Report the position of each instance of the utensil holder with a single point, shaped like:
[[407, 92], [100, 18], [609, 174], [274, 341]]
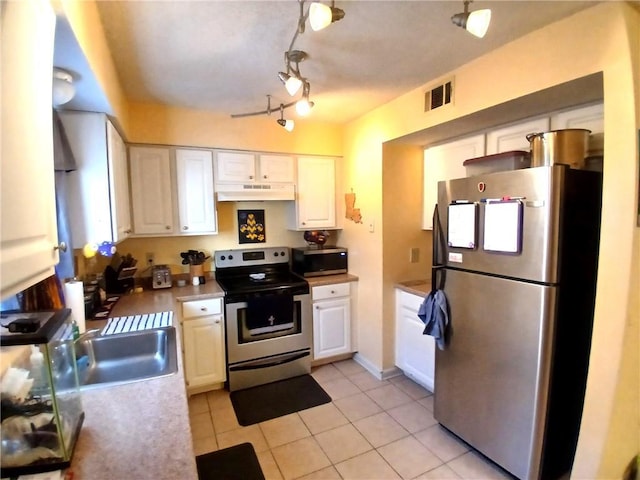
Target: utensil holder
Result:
[[196, 271]]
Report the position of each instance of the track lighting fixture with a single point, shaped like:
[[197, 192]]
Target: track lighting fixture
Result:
[[321, 15], [476, 23], [286, 124]]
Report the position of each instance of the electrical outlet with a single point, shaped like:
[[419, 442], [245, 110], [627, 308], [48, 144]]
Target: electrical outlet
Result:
[[414, 255], [151, 259]]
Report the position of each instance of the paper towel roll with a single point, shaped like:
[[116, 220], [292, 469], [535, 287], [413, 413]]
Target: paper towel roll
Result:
[[74, 299]]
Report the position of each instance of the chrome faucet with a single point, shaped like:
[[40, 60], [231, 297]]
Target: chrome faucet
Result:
[[88, 335]]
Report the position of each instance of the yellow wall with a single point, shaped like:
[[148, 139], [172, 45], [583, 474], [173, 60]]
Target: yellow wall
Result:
[[601, 39], [402, 221], [85, 22], [199, 128]]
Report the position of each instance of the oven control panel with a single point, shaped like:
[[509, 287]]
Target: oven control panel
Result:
[[250, 257]]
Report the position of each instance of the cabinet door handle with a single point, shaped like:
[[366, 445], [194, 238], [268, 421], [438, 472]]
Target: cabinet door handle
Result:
[[250, 177], [62, 246], [168, 227], [185, 227], [265, 176], [333, 292], [204, 309], [217, 321]]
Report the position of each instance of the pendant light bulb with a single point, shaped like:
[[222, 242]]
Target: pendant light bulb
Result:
[[292, 85], [303, 107], [478, 22], [321, 15], [288, 125]]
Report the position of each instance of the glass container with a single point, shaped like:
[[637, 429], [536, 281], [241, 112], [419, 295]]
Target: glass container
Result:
[[40, 396]]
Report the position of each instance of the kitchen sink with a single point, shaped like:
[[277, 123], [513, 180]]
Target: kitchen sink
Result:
[[125, 357]]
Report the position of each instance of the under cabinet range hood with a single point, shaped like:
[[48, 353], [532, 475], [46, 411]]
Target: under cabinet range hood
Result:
[[253, 192]]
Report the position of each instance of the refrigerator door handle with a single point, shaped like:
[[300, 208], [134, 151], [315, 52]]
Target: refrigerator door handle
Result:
[[438, 245]]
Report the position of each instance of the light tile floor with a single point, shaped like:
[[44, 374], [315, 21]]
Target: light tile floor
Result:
[[372, 430]]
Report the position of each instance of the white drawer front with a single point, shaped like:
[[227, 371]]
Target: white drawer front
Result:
[[331, 291], [201, 308]]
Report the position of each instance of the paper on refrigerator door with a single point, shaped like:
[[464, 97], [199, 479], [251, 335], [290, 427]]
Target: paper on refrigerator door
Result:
[[503, 226], [461, 232]]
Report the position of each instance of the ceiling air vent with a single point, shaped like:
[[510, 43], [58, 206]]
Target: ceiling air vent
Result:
[[438, 96]]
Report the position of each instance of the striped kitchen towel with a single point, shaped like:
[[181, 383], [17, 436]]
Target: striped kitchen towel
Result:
[[134, 323]]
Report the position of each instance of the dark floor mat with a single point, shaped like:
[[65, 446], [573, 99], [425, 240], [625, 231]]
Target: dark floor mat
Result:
[[264, 402], [234, 463]]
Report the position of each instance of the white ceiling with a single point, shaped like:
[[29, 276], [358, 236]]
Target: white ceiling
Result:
[[224, 56]]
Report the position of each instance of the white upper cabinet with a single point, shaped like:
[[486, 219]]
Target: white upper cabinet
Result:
[[590, 117], [151, 190], [514, 137], [235, 167], [98, 190], [276, 168], [119, 185], [172, 200], [28, 230], [315, 204], [239, 167], [445, 162], [196, 205]]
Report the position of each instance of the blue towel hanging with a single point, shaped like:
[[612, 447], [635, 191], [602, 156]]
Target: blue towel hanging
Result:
[[434, 313]]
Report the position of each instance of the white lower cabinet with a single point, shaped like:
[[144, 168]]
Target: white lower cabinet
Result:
[[331, 320], [415, 352], [203, 344]]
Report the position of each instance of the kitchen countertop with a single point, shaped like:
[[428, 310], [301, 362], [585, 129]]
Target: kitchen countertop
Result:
[[140, 430], [330, 279], [417, 287]]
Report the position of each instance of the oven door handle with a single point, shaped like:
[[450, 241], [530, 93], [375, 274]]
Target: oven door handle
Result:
[[270, 362]]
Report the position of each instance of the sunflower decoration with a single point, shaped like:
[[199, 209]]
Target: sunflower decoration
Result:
[[251, 226]]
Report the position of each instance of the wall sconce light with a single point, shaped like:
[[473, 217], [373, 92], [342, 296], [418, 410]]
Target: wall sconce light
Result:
[[63, 89], [321, 15], [288, 125], [476, 23]]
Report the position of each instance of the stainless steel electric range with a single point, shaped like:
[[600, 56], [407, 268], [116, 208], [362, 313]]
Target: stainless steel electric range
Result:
[[267, 316]]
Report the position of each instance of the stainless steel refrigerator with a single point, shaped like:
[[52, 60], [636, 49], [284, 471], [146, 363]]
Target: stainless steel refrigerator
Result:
[[516, 255]]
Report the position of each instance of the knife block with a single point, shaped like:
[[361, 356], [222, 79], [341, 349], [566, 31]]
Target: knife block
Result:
[[115, 284]]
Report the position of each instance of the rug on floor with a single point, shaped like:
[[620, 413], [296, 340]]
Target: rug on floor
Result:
[[264, 402], [234, 463]]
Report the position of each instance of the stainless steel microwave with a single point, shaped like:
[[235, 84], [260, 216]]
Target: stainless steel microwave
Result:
[[313, 262]]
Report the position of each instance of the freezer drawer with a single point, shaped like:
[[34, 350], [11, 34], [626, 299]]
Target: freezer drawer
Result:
[[491, 383]]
